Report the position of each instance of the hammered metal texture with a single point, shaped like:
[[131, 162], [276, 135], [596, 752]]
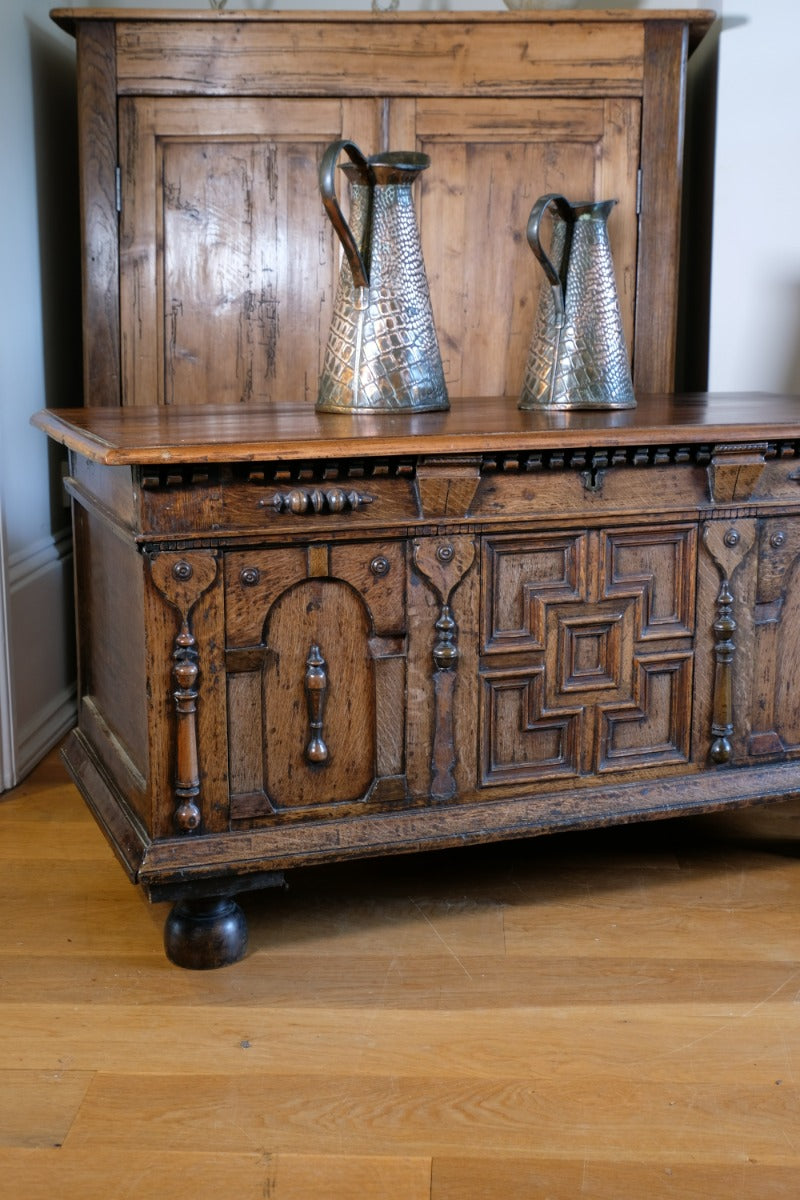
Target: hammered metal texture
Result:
[[585, 363], [382, 352]]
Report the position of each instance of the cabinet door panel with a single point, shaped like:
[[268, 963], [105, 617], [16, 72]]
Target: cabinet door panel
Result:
[[328, 618], [490, 160], [316, 676], [775, 708], [588, 650], [228, 262]]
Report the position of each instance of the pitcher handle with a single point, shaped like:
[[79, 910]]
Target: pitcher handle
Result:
[[534, 241], [327, 187]]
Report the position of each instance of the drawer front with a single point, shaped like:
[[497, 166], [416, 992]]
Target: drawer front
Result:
[[274, 501], [590, 487], [335, 500]]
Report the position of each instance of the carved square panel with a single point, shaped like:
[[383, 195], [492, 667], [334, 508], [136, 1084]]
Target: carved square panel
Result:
[[592, 647], [657, 567], [655, 726], [579, 689], [521, 739], [521, 576]]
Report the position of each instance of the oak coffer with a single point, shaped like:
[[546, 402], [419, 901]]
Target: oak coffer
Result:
[[310, 637]]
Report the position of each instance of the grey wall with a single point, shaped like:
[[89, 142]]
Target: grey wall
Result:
[[39, 364]]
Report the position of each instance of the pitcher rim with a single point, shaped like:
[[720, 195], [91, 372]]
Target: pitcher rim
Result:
[[389, 167], [591, 208]]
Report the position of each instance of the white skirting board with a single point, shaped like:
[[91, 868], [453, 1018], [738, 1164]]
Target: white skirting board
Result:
[[37, 659]]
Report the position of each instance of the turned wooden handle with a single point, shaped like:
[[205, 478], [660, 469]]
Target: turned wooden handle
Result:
[[316, 682], [302, 501]]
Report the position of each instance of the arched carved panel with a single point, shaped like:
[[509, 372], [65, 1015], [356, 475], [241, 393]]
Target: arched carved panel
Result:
[[318, 686]]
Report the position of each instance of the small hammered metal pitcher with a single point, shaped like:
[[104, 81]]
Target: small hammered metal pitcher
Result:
[[382, 353], [578, 357]]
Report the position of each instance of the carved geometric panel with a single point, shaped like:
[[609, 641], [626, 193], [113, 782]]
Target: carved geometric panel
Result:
[[654, 726], [658, 569], [775, 704], [521, 576], [571, 680], [521, 738], [589, 654], [593, 646]]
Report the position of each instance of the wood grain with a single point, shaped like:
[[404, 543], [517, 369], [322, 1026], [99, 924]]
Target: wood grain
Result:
[[606, 1017], [288, 432], [181, 1174], [97, 130], [214, 284], [343, 57], [37, 1108], [659, 223]]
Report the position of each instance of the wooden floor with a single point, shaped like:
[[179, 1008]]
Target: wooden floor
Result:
[[613, 1016]]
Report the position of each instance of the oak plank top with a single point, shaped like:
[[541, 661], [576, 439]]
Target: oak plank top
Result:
[[214, 434], [699, 19], [312, 53]]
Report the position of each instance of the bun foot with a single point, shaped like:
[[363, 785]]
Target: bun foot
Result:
[[202, 935]]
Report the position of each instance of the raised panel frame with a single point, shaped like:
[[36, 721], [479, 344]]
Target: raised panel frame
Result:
[[611, 56], [236, 266]]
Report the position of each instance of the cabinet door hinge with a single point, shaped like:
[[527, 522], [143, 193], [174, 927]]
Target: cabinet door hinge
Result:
[[639, 192], [118, 188]]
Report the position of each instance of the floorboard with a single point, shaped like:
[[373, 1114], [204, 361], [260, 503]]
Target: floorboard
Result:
[[608, 1016]]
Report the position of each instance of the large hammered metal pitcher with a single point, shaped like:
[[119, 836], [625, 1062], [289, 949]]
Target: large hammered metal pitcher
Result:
[[382, 353], [578, 357]]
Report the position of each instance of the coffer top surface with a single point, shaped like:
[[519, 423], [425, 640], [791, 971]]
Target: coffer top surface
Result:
[[286, 432]]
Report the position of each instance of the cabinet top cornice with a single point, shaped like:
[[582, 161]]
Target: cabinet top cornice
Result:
[[698, 20], [289, 432]]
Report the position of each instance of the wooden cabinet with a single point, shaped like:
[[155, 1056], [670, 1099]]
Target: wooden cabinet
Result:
[[308, 637], [300, 645], [209, 264]]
